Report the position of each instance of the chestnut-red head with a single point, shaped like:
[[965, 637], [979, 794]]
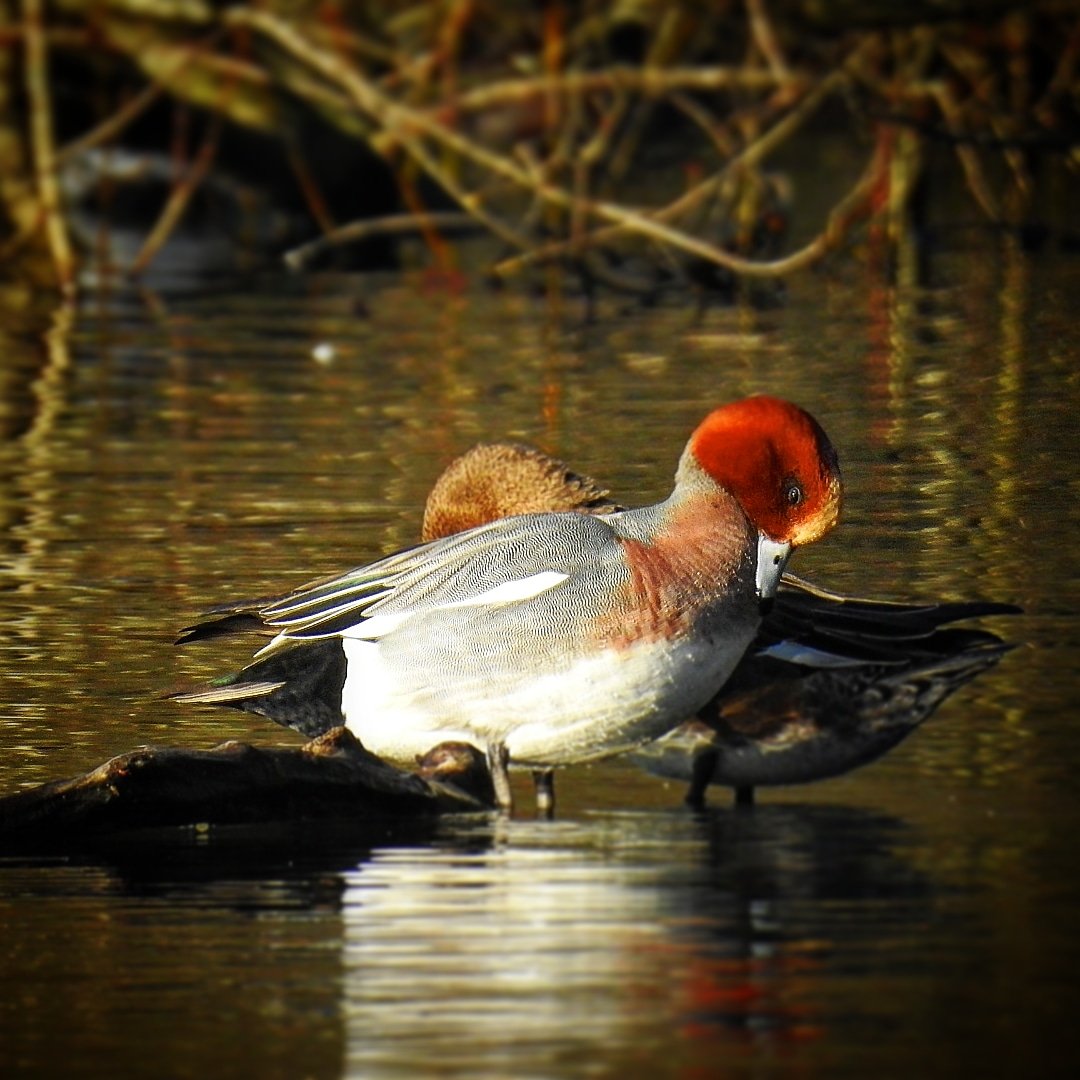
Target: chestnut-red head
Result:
[[776, 459]]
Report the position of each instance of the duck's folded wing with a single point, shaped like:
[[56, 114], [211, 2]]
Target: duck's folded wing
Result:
[[508, 561]]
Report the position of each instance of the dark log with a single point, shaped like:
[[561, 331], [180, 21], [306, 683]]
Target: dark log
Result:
[[331, 777]]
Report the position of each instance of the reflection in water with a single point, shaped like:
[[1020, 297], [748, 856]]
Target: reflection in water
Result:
[[649, 941], [534, 947], [37, 479]]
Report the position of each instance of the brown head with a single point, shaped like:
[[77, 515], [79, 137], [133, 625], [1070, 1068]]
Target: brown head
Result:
[[497, 480]]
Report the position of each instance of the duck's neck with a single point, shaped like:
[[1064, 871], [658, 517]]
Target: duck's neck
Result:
[[695, 546]]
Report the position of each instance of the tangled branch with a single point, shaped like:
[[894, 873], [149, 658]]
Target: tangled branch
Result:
[[550, 162]]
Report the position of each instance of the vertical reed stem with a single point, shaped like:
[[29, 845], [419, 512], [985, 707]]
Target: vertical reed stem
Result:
[[43, 147]]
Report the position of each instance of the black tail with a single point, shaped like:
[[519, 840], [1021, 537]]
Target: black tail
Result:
[[299, 687]]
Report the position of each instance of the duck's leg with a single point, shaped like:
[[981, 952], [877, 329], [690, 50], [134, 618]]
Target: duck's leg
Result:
[[701, 773], [498, 758], [544, 779], [744, 796]]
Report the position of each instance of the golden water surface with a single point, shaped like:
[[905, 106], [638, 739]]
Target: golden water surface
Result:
[[165, 451]]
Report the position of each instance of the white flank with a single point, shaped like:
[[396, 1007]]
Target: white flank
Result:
[[596, 706]]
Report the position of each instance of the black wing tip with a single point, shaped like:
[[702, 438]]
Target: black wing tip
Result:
[[231, 625], [956, 609]]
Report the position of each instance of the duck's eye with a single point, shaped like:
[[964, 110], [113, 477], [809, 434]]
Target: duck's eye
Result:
[[794, 494]]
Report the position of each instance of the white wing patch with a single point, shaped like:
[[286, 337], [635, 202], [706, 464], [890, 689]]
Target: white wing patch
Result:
[[808, 656], [511, 592], [377, 626]]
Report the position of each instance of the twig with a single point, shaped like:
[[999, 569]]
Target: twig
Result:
[[179, 198], [965, 153], [330, 28], [470, 203], [111, 127], [21, 237], [761, 29], [694, 111], [390, 225], [402, 122], [840, 219], [43, 147], [114, 125], [310, 189], [749, 158], [1064, 74], [670, 24], [590, 155], [649, 82]]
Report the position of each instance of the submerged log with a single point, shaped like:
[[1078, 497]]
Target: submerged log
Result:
[[332, 776]]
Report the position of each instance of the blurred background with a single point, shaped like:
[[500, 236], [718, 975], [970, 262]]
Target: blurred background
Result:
[[643, 146]]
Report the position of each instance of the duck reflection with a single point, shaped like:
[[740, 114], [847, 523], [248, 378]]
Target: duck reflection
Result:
[[796, 896], [518, 948], [481, 946]]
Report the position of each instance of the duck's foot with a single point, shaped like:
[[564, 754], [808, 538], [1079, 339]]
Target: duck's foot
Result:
[[498, 758], [702, 770], [744, 796], [544, 779], [460, 764]]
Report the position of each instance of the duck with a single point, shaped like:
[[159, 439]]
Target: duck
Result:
[[552, 637], [831, 682]]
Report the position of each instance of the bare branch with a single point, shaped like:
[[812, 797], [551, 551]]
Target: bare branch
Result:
[[764, 35], [391, 225], [43, 147]]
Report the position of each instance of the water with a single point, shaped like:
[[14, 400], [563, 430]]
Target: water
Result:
[[165, 451]]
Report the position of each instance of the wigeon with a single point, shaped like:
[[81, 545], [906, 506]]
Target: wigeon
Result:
[[553, 638], [830, 682]]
